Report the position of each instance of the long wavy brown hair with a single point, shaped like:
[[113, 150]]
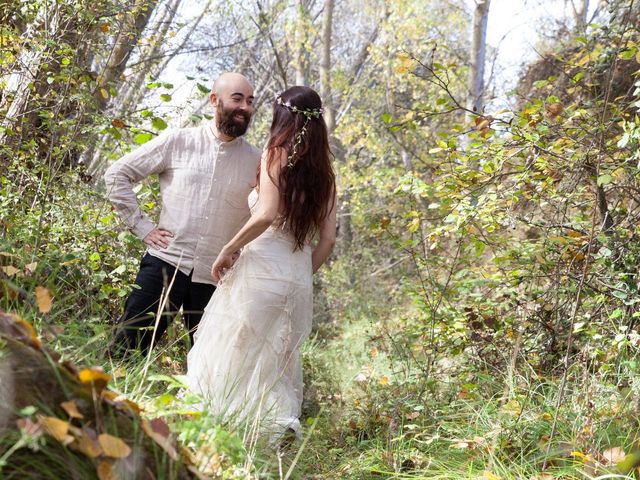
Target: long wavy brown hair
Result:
[[307, 183]]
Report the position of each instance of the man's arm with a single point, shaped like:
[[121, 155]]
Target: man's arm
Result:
[[150, 158]]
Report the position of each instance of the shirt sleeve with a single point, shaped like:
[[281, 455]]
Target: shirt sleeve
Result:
[[150, 158]]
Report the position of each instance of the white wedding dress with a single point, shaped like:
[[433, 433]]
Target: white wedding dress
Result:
[[245, 362]]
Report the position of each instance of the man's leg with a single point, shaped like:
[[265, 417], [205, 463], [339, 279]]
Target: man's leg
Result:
[[195, 300], [136, 326]]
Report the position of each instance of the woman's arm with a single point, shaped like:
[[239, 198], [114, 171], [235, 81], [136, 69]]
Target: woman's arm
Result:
[[327, 240], [267, 210]]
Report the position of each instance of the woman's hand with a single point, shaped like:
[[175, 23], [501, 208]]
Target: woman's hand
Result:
[[224, 261]]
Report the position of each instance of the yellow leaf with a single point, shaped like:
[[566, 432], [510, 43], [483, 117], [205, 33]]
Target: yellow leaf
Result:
[[56, 428], [70, 262], [106, 472], [94, 376], [384, 380], [87, 444], [578, 454], [487, 475], [104, 93], [113, 446], [72, 409], [9, 270], [43, 299], [512, 407]]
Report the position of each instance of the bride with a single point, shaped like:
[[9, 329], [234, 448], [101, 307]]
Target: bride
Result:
[[245, 362]]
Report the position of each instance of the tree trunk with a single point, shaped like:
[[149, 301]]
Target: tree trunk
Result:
[[19, 84], [132, 27], [325, 65], [478, 55], [301, 62], [580, 11]]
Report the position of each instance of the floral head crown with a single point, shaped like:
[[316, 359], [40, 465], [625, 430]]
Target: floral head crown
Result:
[[309, 114]]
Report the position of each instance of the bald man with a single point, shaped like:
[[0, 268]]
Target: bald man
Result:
[[206, 174]]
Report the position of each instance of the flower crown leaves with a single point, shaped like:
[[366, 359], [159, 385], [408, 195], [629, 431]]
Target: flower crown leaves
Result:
[[314, 112], [309, 114]]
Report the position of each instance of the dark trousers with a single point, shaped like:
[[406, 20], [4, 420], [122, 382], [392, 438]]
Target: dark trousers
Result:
[[135, 327]]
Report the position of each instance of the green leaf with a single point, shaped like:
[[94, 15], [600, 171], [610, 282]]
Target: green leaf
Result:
[[604, 180], [142, 138], [203, 88], [153, 84], [168, 85], [158, 123], [628, 54], [386, 118], [146, 114], [165, 97], [65, 61]]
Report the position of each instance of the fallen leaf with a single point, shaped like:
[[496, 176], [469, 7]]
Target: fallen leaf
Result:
[[10, 270], [106, 472], [27, 331], [72, 409], [43, 299], [116, 122], [613, 455], [56, 428], [29, 427], [31, 267], [104, 28], [164, 442], [87, 443], [113, 446], [160, 427]]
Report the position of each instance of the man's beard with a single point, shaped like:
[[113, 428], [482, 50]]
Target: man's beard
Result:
[[227, 125]]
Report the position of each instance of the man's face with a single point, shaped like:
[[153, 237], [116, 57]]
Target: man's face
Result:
[[233, 113]]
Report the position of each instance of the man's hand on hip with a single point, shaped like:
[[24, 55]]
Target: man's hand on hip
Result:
[[158, 238]]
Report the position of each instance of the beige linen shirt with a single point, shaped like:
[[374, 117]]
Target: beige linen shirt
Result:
[[204, 185]]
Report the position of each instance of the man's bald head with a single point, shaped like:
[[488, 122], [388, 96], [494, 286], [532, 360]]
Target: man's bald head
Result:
[[231, 81], [232, 98]]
